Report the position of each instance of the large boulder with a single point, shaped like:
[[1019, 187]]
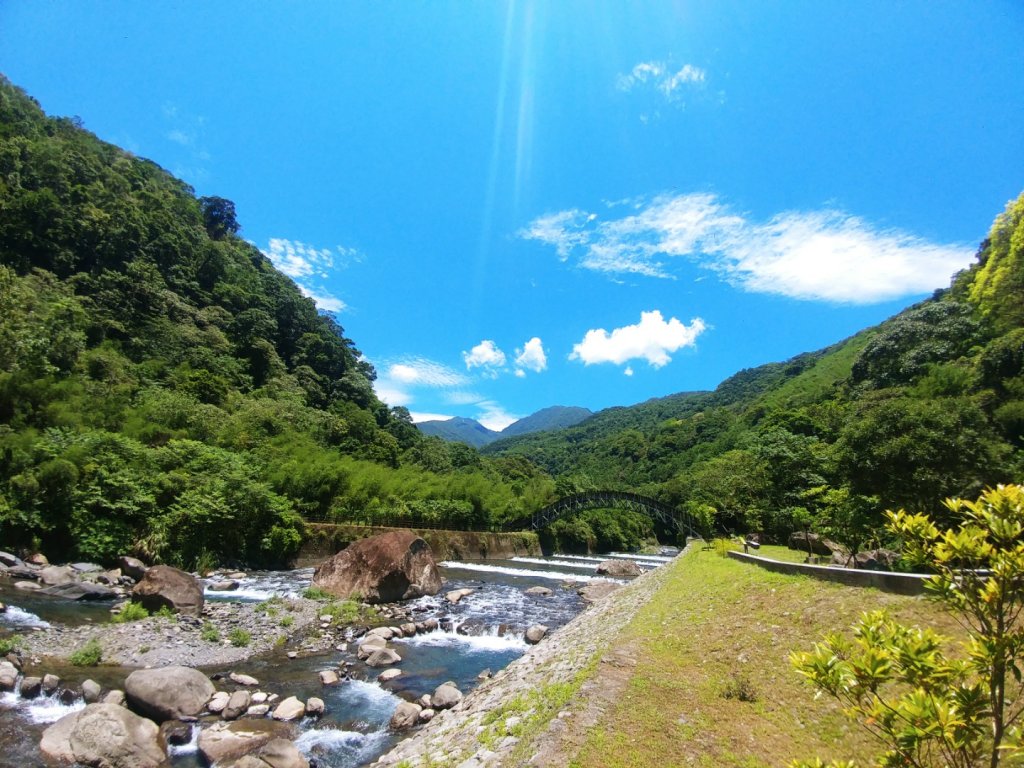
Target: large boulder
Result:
[[597, 590], [132, 566], [406, 715], [104, 736], [397, 565], [166, 586], [818, 545], [168, 693], [277, 753], [445, 696], [619, 568], [222, 742], [79, 590], [53, 575]]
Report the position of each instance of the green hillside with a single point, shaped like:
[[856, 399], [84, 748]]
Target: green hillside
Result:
[[165, 391], [928, 404]]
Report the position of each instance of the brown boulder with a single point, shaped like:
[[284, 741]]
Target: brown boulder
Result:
[[168, 693], [104, 736], [619, 569], [222, 742], [393, 566], [596, 590], [166, 586], [818, 545]]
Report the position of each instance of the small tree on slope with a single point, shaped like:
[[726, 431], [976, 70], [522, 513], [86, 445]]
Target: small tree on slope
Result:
[[928, 708]]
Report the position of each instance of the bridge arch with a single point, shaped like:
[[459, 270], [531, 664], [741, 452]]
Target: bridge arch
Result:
[[579, 502]]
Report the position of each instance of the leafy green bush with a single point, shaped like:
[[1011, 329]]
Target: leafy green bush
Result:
[[130, 612], [315, 593], [89, 655], [209, 633], [342, 612], [9, 644], [239, 637]]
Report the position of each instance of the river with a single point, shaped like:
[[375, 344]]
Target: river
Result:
[[483, 631]]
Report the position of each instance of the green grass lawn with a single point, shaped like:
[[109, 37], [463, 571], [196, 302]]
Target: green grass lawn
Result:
[[713, 685]]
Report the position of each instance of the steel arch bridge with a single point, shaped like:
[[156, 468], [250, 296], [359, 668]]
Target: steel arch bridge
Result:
[[579, 502]]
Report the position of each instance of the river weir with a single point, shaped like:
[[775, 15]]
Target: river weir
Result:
[[478, 635]]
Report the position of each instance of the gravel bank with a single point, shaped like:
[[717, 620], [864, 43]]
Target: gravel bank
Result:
[[505, 721], [159, 641]]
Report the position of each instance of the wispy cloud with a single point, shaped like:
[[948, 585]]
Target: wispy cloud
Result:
[[308, 266], [187, 131], [179, 136], [652, 339], [398, 379], [495, 417], [531, 357], [825, 255], [662, 77]]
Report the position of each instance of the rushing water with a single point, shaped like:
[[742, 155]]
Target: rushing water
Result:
[[483, 631]]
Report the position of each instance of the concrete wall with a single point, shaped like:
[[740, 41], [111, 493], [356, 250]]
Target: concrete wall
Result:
[[887, 581], [324, 540]]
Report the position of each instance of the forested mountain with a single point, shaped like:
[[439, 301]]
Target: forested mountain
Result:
[[165, 391], [928, 404], [476, 434]]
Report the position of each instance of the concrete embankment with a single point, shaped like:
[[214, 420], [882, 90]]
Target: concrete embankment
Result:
[[325, 539], [502, 722]]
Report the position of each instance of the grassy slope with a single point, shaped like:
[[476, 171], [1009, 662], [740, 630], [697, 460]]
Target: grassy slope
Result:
[[718, 622]]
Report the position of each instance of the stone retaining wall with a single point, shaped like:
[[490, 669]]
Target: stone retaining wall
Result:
[[325, 539], [887, 581]]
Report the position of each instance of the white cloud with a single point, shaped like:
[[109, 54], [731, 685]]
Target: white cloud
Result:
[[531, 357], [464, 398], [628, 370], [494, 417], [418, 417], [323, 300], [652, 339], [661, 77], [391, 394], [487, 356], [421, 372], [308, 265], [179, 136], [825, 255], [563, 230]]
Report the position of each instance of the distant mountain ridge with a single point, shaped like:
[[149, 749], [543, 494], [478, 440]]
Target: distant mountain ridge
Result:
[[477, 435]]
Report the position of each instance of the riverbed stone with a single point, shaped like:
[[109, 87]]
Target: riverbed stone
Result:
[[164, 586], [3, 608], [228, 585], [222, 742], [383, 657], [132, 567], [277, 753], [104, 736], [406, 715], [238, 704], [535, 633], [597, 590], [618, 568], [37, 558], [91, 691], [258, 710], [8, 676], [115, 697], [539, 591], [426, 715], [52, 575], [51, 683], [79, 590], [246, 680], [389, 674], [315, 706], [260, 697], [31, 687], [217, 703], [289, 709], [408, 629], [28, 586], [168, 693], [329, 677], [445, 697], [456, 595], [383, 632], [176, 733], [6, 558], [397, 565]]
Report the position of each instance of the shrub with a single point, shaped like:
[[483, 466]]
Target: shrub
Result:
[[130, 612], [239, 637], [287, 621], [9, 644], [88, 655], [209, 633], [315, 593]]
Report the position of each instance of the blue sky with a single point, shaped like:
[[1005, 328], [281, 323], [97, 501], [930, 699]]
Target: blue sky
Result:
[[516, 205]]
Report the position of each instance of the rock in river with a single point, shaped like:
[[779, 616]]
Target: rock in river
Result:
[[166, 586], [168, 693], [393, 566], [619, 569], [104, 735], [222, 742]]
